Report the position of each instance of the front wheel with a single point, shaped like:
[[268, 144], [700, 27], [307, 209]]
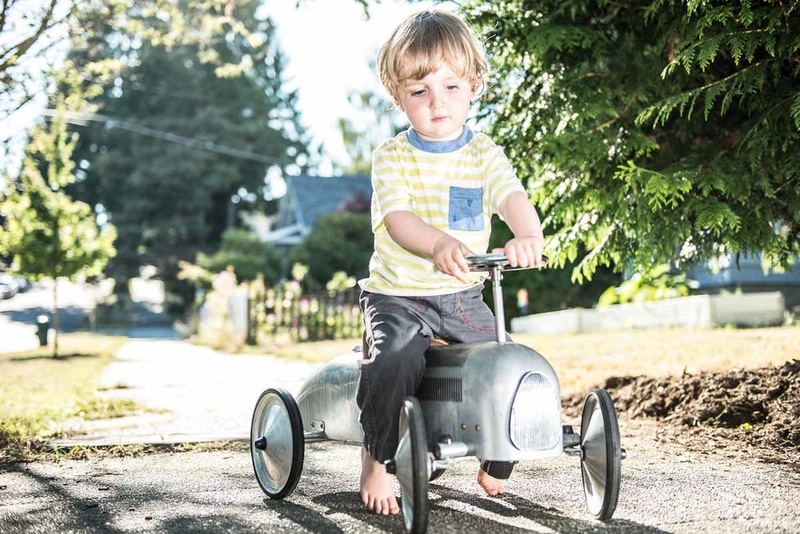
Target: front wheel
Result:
[[411, 467], [601, 458], [277, 444]]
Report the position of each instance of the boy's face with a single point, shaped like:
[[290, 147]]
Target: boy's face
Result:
[[438, 104]]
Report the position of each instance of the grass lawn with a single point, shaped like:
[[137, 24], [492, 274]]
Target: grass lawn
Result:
[[38, 392], [583, 361]]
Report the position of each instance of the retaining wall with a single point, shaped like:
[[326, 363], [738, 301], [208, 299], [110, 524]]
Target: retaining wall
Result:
[[749, 310]]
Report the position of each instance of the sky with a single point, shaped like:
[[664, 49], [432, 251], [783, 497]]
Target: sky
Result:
[[329, 45]]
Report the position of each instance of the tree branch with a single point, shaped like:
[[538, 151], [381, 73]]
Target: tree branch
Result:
[[14, 52]]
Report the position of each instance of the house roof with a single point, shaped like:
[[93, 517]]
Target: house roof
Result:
[[309, 197]]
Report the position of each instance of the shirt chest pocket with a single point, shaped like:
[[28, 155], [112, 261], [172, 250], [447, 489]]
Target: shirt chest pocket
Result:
[[466, 209]]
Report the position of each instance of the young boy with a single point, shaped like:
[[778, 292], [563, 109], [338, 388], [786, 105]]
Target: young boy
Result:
[[436, 187]]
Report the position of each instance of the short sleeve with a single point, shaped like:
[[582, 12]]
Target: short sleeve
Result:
[[501, 179], [391, 189]]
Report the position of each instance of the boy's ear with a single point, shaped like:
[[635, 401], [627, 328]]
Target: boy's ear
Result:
[[478, 88]]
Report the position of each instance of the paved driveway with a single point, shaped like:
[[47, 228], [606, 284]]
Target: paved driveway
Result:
[[193, 393], [664, 489]]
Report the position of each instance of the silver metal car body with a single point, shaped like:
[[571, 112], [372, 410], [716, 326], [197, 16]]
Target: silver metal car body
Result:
[[327, 401], [497, 400], [501, 400]]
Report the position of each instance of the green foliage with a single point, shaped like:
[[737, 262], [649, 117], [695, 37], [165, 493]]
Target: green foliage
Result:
[[187, 128], [657, 283], [650, 131], [47, 233], [340, 241], [248, 256], [341, 281], [30, 31], [550, 288]]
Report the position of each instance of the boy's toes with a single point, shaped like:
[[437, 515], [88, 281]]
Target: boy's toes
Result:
[[492, 486]]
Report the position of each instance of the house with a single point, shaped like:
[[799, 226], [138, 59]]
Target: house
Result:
[[309, 197], [747, 275]]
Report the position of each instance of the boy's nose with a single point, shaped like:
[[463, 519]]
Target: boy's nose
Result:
[[436, 100]]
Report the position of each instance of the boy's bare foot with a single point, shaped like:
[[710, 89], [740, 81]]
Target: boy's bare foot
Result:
[[377, 493], [492, 486]]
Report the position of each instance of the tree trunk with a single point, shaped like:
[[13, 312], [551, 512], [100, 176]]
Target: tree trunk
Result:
[[55, 317]]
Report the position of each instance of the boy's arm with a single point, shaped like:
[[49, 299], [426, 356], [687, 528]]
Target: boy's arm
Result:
[[412, 233], [525, 248]]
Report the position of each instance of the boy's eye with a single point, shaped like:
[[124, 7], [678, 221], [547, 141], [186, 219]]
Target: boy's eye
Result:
[[452, 87], [417, 92]]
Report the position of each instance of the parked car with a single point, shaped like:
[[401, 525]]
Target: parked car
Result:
[[23, 284], [8, 286]]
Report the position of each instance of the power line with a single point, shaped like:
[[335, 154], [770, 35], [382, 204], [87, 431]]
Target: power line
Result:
[[81, 119]]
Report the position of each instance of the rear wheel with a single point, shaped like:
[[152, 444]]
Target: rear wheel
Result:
[[276, 443], [601, 456]]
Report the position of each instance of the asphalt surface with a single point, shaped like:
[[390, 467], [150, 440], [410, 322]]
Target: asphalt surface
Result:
[[664, 489], [204, 396]]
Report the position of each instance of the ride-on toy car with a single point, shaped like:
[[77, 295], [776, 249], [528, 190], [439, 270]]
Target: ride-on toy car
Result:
[[497, 401]]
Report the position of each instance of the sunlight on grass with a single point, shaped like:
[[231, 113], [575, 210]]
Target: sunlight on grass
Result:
[[583, 361], [38, 392]]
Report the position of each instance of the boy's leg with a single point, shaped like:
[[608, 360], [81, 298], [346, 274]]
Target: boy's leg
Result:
[[472, 321], [377, 492], [395, 343]]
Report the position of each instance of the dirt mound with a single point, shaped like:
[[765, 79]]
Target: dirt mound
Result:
[[756, 407]]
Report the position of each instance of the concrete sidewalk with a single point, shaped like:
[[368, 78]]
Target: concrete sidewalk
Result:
[[192, 393], [16, 336]]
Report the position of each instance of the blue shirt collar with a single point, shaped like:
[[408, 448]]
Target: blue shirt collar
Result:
[[439, 147]]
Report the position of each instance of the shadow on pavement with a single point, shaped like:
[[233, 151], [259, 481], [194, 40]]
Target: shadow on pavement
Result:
[[110, 501], [514, 506], [309, 519], [57, 358], [70, 319], [445, 519]]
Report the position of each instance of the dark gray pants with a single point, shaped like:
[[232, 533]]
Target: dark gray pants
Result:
[[398, 332]]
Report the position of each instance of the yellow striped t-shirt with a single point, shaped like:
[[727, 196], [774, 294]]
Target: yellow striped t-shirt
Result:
[[456, 192]]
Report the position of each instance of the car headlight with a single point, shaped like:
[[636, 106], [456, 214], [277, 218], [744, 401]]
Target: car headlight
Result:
[[535, 414]]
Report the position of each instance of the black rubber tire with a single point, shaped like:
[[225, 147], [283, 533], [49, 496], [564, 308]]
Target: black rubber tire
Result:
[[411, 461], [277, 466], [601, 454]]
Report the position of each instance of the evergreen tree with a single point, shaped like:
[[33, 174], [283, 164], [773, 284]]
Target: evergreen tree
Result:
[[651, 130], [31, 35], [182, 142]]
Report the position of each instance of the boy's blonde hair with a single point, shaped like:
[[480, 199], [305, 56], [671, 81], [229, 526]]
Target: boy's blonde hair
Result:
[[422, 42]]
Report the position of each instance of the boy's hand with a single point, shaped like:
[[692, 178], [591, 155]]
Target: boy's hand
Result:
[[449, 256], [524, 251]]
